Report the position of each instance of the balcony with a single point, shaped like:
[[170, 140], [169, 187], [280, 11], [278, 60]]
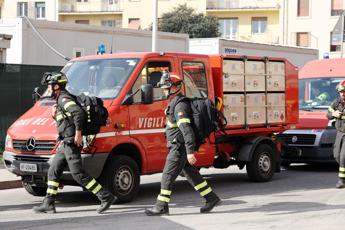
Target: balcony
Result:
[[92, 6], [242, 4], [267, 37]]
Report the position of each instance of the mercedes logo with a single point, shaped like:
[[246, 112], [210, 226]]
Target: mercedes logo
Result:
[[31, 144], [294, 139]]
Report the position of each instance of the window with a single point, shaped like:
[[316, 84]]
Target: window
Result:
[[111, 23], [194, 76], [335, 42], [150, 74], [337, 7], [40, 10], [22, 9], [302, 39], [134, 23], [259, 24], [303, 8], [87, 22], [228, 27], [103, 78]]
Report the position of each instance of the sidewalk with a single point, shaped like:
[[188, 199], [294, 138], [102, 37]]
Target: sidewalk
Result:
[[7, 179]]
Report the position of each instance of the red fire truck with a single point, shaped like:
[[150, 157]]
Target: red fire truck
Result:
[[312, 140], [259, 94]]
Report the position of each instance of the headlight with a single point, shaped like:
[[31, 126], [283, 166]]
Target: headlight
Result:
[[8, 142]]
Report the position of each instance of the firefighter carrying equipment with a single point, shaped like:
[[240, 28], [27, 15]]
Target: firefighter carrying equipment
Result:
[[180, 141], [339, 144]]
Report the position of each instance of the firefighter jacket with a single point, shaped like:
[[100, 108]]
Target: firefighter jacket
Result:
[[337, 104], [69, 116], [179, 128]]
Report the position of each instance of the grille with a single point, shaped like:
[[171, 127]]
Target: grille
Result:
[[302, 139], [41, 146], [31, 158]]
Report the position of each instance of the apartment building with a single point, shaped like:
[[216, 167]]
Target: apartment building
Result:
[[311, 23], [35, 9], [250, 20]]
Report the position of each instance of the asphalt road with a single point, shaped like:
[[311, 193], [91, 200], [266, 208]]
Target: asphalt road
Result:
[[302, 197]]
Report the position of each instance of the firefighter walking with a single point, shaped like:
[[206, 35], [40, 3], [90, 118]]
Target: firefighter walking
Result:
[[336, 111], [182, 145], [69, 117]]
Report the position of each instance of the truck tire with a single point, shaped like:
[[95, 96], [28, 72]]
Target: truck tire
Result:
[[262, 166], [121, 176], [35, 190]]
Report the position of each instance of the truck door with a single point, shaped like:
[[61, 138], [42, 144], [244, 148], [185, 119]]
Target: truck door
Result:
[[195, 82], [147, 122]]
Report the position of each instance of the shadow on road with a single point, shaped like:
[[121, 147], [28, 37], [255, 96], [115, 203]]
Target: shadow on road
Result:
[[228, 185]]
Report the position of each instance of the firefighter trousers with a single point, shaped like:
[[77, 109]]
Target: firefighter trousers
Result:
[[339, 153], [68, 154], [176, 163]]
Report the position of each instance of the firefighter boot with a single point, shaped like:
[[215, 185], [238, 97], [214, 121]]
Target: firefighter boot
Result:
[[106, 198], [340, 183], [158, 210], [47, 206], [212, 200]]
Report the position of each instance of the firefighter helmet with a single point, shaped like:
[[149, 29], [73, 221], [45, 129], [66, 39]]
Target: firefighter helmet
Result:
[[341, 86], [54, 78], [169, 79]]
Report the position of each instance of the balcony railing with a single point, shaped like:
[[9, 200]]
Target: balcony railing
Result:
[[267, 37], [71, 6], [241, 4]]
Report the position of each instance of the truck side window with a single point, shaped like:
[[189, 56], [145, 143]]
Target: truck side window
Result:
[[150, 74], [194, 76]]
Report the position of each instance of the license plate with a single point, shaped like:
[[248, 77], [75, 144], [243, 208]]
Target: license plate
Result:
[[25, 167]]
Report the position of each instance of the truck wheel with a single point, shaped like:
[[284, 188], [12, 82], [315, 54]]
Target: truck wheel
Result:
[[35, 190], [262, 166], [121, 177]]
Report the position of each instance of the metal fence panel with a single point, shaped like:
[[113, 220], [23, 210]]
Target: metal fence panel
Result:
[[16, 87]]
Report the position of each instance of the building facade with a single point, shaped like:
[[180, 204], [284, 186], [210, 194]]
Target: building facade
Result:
[[249, 20], [35, 9], [312, 23]]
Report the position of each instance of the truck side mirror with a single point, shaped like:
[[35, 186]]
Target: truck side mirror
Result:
[[147, 94], [36, 95]]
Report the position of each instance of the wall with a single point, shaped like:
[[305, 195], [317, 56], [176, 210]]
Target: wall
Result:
[[319, 24], [296, 55], [27, 48]]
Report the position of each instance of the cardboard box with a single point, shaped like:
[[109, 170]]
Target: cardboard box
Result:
[[255, 67], [275, 83], [233, 67], [233, 83], [256, 115], [255, 99], [276, 68], [234, 109], [276, 114], [276, 99], [255, 83]]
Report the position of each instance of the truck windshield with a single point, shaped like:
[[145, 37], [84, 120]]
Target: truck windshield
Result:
[[102, 78], [317, 93]]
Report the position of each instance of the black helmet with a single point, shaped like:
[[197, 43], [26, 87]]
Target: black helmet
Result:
[[54, 78], [168, 80]]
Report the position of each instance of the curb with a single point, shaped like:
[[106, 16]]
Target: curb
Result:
[[10, 184]]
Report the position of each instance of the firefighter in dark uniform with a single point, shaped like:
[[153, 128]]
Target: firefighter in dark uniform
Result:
[[181, 144], [69, 117], [336, 111]]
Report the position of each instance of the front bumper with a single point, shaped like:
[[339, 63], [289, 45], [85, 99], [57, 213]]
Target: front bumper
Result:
[[303, 154], [92, 163], [307, 146]]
